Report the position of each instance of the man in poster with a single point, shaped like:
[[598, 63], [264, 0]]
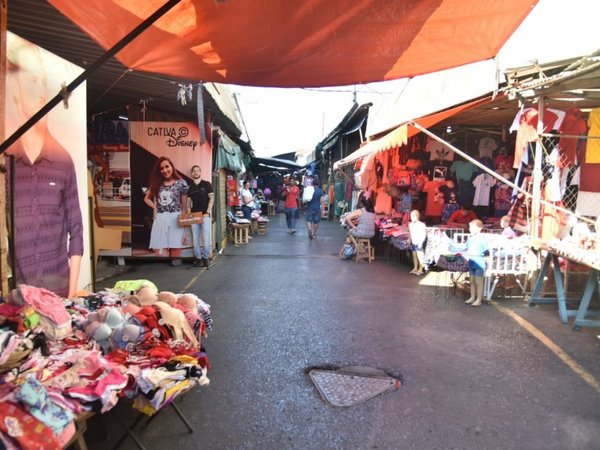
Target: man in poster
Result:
[[48, 228], [202, 196]]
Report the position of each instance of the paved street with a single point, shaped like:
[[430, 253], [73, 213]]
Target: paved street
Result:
[[473, 378]]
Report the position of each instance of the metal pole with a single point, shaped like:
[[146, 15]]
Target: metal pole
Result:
[[537, 174], [86, 73]]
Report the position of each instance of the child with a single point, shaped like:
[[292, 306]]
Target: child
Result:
[[477, 250], [507, 231], [418, 234]]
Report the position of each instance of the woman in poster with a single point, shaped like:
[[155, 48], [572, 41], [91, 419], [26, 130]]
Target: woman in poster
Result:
[[167, 196]]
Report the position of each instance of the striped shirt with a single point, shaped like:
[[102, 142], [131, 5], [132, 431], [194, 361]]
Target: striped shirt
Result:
[[48, 227]]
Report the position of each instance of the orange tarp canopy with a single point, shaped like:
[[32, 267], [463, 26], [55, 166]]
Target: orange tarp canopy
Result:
[[301, 43], [399, 136]]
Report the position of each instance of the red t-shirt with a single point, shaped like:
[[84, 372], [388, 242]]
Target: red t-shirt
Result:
[[459, 217], [291, 199]]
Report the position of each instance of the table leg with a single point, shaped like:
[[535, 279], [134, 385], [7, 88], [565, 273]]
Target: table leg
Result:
[[560, 291], [590, 287], [535, 299]]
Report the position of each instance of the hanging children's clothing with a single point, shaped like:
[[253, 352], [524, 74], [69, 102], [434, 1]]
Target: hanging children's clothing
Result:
[[435, 200], [451, 204]]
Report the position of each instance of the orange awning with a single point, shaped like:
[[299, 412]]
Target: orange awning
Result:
[[399, 136], [301, 43]]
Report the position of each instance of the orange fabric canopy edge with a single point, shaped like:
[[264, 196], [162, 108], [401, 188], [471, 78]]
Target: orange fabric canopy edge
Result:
[[301, 43], [399, 136]]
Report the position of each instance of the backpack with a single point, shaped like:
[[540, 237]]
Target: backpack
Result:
[[307, 194], [347, 251]]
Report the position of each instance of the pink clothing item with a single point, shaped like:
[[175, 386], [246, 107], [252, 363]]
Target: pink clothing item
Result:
[[45, 302], [528, 130], [26, 430]]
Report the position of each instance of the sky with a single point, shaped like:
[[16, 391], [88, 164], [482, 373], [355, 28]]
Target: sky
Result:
[[281, 120]]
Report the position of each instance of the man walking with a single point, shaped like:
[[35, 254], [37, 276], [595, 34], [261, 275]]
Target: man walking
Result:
[[202, 196]]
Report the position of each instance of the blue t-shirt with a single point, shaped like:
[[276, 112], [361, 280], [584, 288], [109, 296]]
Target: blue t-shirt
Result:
[[315, 201], [477, 250]]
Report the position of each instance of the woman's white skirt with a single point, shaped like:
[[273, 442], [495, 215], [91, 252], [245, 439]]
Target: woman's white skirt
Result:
[[165, 231]]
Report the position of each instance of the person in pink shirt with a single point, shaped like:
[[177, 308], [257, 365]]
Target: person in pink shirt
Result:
[[291, 191]]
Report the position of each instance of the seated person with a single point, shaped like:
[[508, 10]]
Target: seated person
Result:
[[462, 217], [362, 221]]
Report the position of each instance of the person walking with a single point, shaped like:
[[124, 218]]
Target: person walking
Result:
[[292, 191], [202, 198], [166, 196], [314, 209]]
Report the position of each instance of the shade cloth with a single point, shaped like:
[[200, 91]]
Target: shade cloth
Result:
[[293, 43], [399, 136]]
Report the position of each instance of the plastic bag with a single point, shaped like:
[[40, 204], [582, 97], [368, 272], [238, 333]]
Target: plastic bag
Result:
[[307, 194], [347, 251]]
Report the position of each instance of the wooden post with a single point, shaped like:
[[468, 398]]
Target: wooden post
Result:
[[4, 268], [537, 175]]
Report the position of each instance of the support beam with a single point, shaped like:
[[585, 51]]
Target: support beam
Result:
[[4, 268], [86, 73]]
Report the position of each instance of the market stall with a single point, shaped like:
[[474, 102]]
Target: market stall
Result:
[[64, 360], [538, 166]]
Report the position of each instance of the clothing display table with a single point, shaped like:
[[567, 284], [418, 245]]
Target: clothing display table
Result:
[[88, 353]]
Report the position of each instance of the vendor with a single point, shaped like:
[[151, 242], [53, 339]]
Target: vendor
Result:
[[462, 217]]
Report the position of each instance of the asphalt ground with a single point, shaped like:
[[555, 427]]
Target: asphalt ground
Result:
[[501, 376]]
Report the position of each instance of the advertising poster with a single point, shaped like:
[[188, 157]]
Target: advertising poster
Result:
[[163, 154], [109, 162], [49, 182]]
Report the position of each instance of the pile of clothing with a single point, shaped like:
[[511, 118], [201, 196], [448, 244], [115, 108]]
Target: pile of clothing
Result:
[[61, 357]]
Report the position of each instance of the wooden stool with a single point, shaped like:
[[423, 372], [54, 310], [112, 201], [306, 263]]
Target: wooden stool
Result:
[[364, 249], [271, 209], [240, 233], [262, 228]]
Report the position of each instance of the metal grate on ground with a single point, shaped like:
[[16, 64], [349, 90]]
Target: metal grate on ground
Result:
[[352, 385]]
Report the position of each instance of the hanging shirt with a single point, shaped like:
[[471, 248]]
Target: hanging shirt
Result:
[[527, 128], [464, 170], [506, 160], [435, 202], [592, 149], [502, 196], [439, 151], [574, 125], [483, 184], [487, 147]]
